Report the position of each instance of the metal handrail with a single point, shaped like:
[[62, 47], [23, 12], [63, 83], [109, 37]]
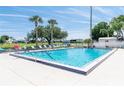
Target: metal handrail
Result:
[[49, 55]]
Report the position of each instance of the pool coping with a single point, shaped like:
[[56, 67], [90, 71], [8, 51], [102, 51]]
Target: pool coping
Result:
[[84, 70]]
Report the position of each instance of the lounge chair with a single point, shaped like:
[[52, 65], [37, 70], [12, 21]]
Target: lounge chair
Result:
[[32, 47], [50, 46], [44, 46], [54, 46], [40, 47], [24, 48], [65, 45]]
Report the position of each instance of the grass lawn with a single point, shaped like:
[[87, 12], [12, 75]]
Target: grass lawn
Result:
[[7, 45]]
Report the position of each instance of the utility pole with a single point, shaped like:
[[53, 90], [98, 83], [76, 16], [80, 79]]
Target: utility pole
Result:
[[91, 22]]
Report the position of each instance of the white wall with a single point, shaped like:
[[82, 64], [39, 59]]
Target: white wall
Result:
[[111, 43]]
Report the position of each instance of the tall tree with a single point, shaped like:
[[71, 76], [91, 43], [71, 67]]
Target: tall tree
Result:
[[57, 34], [52, 23], [102, 29], [104, 32], [36, 20], [48, 32], [117, 24], [4, 38]]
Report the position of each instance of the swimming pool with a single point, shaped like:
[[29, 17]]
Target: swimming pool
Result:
[[1, 49], [69, 58]]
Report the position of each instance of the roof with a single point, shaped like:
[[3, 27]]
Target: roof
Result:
[[107, 38]]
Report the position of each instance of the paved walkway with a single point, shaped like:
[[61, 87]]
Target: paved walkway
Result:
[[17, 71]]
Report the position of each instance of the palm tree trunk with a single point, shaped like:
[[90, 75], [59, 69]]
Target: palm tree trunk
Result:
[[52, 28], [36, 38], [108, 34], [49, 41], [117, 35], [36, 25]]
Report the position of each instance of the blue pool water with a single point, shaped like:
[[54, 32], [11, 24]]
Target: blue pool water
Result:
[[77, 57], [1, 49]]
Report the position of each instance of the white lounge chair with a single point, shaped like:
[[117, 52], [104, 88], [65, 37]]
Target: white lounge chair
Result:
[[40, 47], [25, 47], [45, 46], [50, 46], [33, 47]]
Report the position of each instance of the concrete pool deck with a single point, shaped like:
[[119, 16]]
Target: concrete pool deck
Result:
[[17, 71]]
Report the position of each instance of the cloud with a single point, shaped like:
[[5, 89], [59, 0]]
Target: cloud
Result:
[[84, 22], [4, 30], [1, 22], [79, 12], [73, 11], [121, 8], [14, 15], [107, 11], [78, 34], [28, 9], [78, 21]]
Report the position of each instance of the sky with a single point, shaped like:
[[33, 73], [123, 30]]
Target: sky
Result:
[[14, 20]]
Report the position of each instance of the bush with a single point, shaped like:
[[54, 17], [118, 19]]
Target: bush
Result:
[[88, 42]]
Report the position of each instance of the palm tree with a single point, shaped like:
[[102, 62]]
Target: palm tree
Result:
[[52, 23], [36, 20]]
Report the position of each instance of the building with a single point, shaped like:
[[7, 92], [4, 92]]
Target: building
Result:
[[111, 42], [76, 40]]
